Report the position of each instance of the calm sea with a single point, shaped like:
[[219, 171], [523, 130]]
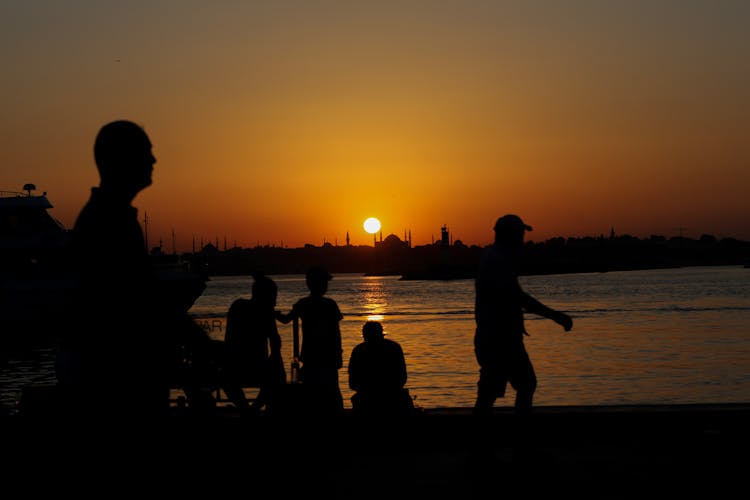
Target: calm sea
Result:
[[639, 337]]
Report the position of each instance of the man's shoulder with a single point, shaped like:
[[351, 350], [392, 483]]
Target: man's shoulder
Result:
[[329, 300], [396, 347], [240, 303], [318, 300], [101, 214], [86, 214]]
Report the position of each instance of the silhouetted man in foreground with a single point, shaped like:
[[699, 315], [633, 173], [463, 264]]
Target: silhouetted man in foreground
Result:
[[117, 358], [500, 306]]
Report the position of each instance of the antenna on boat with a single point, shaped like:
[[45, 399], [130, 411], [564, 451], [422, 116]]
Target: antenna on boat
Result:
[[29, 188]]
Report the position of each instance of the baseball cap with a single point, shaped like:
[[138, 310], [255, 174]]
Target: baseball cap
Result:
[[510, 222]]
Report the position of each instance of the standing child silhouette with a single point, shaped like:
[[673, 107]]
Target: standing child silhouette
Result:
[[321, 351]]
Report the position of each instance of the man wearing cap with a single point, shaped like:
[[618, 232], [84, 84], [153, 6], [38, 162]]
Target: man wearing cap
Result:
[[499, 309]]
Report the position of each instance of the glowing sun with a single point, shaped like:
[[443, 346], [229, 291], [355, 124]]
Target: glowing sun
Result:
[[372, 225]]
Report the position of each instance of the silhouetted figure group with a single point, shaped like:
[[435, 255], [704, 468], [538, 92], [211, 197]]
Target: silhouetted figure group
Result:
[[134, 342], [377, 368]]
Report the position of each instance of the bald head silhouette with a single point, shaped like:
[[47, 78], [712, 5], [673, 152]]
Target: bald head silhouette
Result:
[[122, 151]]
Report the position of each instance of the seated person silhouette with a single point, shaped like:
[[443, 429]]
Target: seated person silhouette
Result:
[[253, 349], [377, 374]]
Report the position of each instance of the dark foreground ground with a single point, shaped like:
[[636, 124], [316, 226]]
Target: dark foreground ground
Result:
[[640, 451]]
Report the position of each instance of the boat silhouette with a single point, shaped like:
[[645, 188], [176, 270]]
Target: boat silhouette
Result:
[[36, 281]]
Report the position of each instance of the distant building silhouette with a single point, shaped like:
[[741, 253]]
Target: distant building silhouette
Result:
[[394, 256], [444, 236]]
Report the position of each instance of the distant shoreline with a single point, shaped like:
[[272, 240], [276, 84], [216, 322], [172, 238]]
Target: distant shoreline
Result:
[[394, 257]]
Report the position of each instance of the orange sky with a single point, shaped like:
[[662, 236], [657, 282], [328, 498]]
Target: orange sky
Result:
[[291, 122]]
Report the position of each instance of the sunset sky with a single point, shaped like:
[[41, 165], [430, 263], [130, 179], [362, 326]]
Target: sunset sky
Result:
[[291, 122]]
